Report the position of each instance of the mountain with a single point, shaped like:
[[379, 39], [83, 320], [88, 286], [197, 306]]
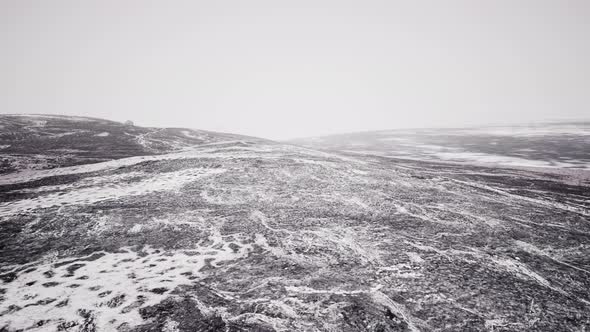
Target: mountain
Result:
[[254, 235], [551, 145]]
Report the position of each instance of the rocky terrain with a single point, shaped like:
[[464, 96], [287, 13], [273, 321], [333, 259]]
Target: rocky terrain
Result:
[[49, 141], [166, 230], [562, 145]]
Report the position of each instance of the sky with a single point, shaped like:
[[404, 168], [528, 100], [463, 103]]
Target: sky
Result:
[[285, 69]]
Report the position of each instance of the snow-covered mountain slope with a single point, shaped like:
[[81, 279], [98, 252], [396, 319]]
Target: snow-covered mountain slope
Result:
[[49, 141], [550, 145], [252, 235]]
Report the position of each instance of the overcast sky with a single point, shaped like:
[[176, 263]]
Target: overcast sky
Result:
[[282, 69]]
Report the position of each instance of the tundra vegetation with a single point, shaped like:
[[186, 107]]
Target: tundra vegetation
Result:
[[144, 229]]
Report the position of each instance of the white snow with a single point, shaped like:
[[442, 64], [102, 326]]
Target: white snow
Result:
[[124, 273], [67, 133], [190, 135], [494, 159], [532, 130], [136, 228], [208, 150], [95, 189], [414, 257], [358, 202]]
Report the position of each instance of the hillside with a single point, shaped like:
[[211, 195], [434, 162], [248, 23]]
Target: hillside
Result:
[[49, 141], [549, 145], [253, 235]]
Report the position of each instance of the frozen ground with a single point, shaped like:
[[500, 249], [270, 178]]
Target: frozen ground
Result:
[[50, 141], [549, 145], [240, 235]]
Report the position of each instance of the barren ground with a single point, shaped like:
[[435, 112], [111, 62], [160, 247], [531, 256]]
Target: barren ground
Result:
[[237, 234]]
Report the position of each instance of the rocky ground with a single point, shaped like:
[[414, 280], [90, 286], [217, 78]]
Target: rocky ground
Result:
[[242, 234], [49, 141], [560, 145]]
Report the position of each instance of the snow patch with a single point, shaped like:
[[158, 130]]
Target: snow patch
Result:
[[414, 257], [98, 189], [113, 286], [190, 135]]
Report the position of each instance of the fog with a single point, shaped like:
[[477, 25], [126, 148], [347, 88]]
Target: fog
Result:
[[279, 69]]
